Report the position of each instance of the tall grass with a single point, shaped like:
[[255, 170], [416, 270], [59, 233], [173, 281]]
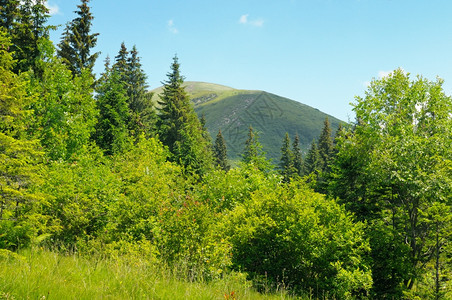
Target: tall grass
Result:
[[43, 274]]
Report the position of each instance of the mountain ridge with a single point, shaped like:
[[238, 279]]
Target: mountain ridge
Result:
[[271, 116]]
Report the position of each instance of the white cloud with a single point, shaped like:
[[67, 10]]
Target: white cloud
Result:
[[243, 19], [53, 8], [256, 22], [172, 28]]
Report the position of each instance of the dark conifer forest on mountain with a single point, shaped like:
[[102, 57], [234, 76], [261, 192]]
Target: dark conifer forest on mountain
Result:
[[193, 190]]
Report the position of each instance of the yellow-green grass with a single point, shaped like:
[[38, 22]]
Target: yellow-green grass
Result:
[[43, 274]]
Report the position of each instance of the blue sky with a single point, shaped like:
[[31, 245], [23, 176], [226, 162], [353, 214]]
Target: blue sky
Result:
[[318, 52]]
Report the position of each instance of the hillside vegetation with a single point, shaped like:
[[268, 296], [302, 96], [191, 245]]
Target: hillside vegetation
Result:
[[105, 194], [233, 111]]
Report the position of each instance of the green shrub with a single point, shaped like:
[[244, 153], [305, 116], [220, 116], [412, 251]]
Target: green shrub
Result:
[[188, 239], [146, 181], [227, 189], [79, 196], [13, 235], [294, 237]]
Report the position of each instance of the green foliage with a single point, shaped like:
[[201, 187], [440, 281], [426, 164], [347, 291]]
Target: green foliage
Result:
[[297, 157], [188, 239], [325, 146], [296, 238], [9, 10], [13, 92], [394, 167], [120, 65], [287, 160], [65, 111], [253, 153], [77, 41], [147, 180], [140, 103], [19, 172], [179, 127], [225, 190], [112, 134], [220, 152], [25, 21], [21, 159], [313, 161], [79, 197]]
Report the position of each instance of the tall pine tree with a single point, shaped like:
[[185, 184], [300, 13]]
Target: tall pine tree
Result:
[[139, 99], [137, 86], [112, 132], [120, 65], [20, 156], [287, 160], [220, 152], [205, 131], [312, 162], [297, 157], [179, 127], [25, 22], [325, 146], [77, 41], [253, 153], [9, 11]]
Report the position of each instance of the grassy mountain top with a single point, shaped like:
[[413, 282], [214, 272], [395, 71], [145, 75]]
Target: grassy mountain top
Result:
[[233, 111]]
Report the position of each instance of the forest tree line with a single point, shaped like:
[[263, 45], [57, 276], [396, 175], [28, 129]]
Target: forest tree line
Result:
[[92, 166]]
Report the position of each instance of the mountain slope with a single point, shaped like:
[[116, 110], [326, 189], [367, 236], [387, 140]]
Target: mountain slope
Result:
[[233, 111]]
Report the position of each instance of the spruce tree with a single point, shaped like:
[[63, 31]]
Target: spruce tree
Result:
[[137, 86], [77, 41], [253, 153], [297, 157], [26, 20], [250, 151], [132, 77], [312, 162], [287, 160], [120, 65], [205, 131], [112, 133], [337, 135], [20, 156], [325, 146], [220, 152], [9, 11], [179, 126], [139, 99]]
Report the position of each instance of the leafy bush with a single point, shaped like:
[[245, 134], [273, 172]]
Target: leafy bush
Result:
[[146, 179], [227, 189], [13, 235], [295, 237], [188, 238], [79, 196]]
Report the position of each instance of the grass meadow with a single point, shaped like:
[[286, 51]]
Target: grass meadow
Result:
[[43, 274]]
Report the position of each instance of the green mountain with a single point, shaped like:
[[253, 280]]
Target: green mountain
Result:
[[233, 111]]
